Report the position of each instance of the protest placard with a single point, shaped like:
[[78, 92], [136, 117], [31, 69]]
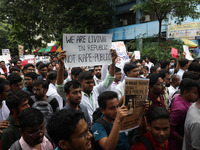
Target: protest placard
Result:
[[27, 59], [87, 49], [6, 52], [137, 54], [5, 58], [186, 50], [121, 52], [44, 59], [174, 52], [136, 90]]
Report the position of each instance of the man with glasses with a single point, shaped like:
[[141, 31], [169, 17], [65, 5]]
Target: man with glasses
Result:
[[17, 101], [68, 130], [32, 131]]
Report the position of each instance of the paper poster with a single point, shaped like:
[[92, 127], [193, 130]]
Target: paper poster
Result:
[[137, 54], [87, 49], [174, 52], [27, 59], [21, 50], [136, 90], [186, 50], [121, 52], [5, 58], [44, 59]]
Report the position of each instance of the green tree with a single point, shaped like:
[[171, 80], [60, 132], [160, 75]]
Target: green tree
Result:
[[163, 9], [35, 22]]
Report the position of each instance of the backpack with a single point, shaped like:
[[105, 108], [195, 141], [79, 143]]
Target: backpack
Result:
[[97, 119], [44, 107], [16, 146], [144, 140]]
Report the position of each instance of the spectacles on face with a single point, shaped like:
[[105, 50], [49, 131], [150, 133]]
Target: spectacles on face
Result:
[[84, 134], [161, 84], [30, 70], [41, 130]]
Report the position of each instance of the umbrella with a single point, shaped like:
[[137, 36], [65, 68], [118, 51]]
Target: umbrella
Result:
[[189, 43], [41, 50], [37, 50], [51, 49], [59, 49]]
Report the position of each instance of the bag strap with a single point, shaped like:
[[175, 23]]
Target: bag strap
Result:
[[104, 124], [144, 140], [16, 146]]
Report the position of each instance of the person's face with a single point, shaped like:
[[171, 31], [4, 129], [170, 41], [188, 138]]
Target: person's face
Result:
[[43, 71], [74, 95], [39, 92], [158, 69], [16, 86], [172, 61], [50, 68], [2, 76], [145, 71], [168, 80], [30, 69], [159, 87], [5, 93], [57, 66], [97, 72], [23, 106], [192, 94], [16, 72], [178, 81], [143, 63], [28, 81], [147, 59], [139, 65], [160, 130], [110, 112], [135, 73], [74, 77], [118, 76], [3, 65], [81, 139], [33, 135], [87, 85], [19, 64]]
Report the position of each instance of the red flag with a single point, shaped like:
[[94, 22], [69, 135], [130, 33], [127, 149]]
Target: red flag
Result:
[[174, 52]]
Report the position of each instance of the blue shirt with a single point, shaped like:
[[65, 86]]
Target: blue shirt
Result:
[[99, 132]]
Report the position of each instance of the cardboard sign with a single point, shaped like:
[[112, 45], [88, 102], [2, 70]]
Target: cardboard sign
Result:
[[174, 52], [44, 59], [186, 50], [87, 49], [135, 94], [121, 52]]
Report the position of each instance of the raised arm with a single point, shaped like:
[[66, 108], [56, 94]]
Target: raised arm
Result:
[[60, 75]]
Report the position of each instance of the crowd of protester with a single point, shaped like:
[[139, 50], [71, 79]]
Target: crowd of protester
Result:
[[48, 106]]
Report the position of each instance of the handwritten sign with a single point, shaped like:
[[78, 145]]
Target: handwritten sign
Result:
[[87, 49], [44, 59], [121, 52], [27, 59]]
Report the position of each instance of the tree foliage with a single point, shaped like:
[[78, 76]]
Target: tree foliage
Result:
[[163, 9], [36, 21]]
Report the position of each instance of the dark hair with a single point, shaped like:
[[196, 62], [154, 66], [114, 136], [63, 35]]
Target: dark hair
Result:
[[65, 73], [164, 63], [135, 62], [186, 84], [42, 65], [32, 75], [158, 113], [51, 76], [174, 78], [14, 78], [76, 71], [16, 98], [15, 61], [128, 67], [191, 75], [3, 82], [39, 82], [97, 66], [74, 84], [14, 68], [62, 124], [173, 58], [146, 67], [162, 73], [117, 69], [105, 96], [33, 113], [153, 78], [27, 66], [196, 60], [38, 63], [194, 66], [86, 75], [153, 69], [183, 62]]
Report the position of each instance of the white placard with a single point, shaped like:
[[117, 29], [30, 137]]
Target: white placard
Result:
[[121, 52], [5, 52], [137, 54], [87, 49], [44, 59], [5, 58], [186, 50]]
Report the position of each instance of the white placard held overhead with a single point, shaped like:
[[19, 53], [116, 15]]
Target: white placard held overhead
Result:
[[186, 50], [87, 49], [137, 54]]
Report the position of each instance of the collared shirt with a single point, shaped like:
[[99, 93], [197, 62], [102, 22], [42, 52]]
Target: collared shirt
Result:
[[45, 145], [156, 103], [96, 80], [156, 145], [89, 97], [83, 109], [171, 90], [179, 108], [10, 134], [4, 111], [180, 73]]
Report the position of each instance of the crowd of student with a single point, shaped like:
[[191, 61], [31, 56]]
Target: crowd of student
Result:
[[48, 106]]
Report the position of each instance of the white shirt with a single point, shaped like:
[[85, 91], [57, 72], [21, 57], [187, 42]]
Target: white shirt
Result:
[[120, 89], [149, 65], [53, 92], [180, 73], [4, 111], [171, 90]]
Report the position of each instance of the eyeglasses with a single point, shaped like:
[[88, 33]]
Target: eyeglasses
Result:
[[161, 84], [85, 134], [42, 129]]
